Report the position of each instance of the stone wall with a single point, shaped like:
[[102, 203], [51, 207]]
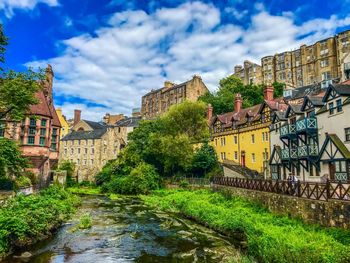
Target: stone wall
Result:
[[326, 213]]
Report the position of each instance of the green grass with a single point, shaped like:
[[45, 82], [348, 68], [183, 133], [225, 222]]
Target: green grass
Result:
[[27, 219], [85, 222], [83, 190], [270, 238]]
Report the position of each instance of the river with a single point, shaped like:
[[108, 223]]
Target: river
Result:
[[126, 230]]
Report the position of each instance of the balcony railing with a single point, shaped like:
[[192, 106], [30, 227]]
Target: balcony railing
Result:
[[289, 153], [310, 151], [285, 154], [307, 124], [287, 130]]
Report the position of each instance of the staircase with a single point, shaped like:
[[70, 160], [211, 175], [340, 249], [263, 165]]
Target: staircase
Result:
[[240, 171]]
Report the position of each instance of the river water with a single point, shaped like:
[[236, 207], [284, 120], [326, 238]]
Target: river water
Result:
[[126, 230]]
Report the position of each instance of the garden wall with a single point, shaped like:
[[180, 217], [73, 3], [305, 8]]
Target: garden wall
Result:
[[326, 213]]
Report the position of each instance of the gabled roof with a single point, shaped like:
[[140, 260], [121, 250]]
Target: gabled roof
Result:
[[294, 108], [341, 89], [316, 100], [276, 150], [280, 115], [95, 125], [98, 130], [338, 143]]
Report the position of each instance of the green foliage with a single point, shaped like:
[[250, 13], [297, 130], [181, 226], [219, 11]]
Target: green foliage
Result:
[[23, 181], [3, 44], [204, 160], [11, 160], [223, 99], [85, 222], [27, 219], [270, 238], [69, 167], [142, 179], [84, 190]]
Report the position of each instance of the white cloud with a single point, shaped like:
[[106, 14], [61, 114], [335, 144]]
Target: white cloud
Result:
[[8, 6], [137, 51]]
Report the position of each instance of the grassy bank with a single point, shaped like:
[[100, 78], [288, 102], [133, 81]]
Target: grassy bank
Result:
[[28, 219], [269, 238]]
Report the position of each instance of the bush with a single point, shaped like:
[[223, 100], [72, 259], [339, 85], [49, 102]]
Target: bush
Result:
[[141, 180], [23, 181], [69, 167], [27, 219]]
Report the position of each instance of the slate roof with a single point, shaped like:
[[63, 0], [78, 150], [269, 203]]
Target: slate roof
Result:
[[99, 129], [95, 125], [304, 91], [342, 89], [128, 122], [338, 143]]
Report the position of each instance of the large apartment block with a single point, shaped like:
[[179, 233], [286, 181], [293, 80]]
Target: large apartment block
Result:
[[250, 73], [159, 101], [324, 62]]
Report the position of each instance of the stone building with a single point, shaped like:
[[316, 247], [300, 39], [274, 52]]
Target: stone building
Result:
[[91, 144], [159, 101], [250, 73], [324, 62], [38, 134]]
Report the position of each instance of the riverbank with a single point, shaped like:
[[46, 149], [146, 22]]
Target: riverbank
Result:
[[25, 220], [263, 235]]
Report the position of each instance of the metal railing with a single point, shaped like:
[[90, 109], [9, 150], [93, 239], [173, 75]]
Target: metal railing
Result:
[[306, 124], [331, 190]]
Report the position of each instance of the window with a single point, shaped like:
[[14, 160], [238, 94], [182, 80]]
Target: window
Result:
[[236, 155], [85, 162], [92, 161], [86, 150], [340, 166], [223, 141], [32, 131], [253, 138], [31, 140], [324, 63], [78, 150], [43, 122], [71, 151], [65, 151], [92, 150], [223, 156], [216, 142], [2, 129], [347, 134], [253, 157], [339, 105], [42, 141], [32, 122], [235, 139], [326, 75], [54, 139], [331, 108]]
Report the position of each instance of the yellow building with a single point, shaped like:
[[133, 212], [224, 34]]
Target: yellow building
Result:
[[242, 136], [64, 123]]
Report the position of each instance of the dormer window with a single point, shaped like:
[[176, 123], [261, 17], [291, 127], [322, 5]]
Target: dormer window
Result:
[[331, 108], [339, 105]]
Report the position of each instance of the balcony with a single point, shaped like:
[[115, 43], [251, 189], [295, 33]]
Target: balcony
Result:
[[307, 125], [288, 131], [308, 152], [288, 154]]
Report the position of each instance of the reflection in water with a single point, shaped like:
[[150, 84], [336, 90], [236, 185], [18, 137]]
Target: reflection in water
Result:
[[126, 230]]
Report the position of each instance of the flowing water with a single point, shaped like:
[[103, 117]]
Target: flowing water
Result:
[[126, 230]]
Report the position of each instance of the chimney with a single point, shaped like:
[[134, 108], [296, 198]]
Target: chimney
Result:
[[209, 113], [77, 115], [238, 103], [106, 118], [48, 81], [268, 93], [168, 84]]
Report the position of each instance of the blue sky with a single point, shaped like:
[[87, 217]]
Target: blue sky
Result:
[[106, 54]]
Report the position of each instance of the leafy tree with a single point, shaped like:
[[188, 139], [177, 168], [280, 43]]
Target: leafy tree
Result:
[[204, 160], [11, 160], [3, 44], [69, 167]]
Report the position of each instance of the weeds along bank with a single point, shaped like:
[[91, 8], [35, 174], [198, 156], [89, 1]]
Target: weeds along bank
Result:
[[265, 237], [25, 220]]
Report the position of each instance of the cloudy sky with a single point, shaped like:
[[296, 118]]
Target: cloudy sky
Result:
[[107, 54]]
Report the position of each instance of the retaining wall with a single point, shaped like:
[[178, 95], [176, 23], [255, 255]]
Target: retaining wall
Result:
[[326, 213]]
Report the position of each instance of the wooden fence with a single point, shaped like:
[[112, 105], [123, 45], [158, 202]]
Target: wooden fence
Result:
[[330, 190]]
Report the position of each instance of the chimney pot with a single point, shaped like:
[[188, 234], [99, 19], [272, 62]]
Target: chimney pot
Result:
[[210, 113], [238, 103], [77, 116]]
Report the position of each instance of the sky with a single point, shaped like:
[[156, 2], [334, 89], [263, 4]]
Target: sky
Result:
[[107, 54]]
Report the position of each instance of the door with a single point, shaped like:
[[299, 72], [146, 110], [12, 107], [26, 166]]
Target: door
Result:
[[332, 170], [243, 159]]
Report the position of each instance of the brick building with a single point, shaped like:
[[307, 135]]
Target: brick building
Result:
[[159, 101], [39, 132]]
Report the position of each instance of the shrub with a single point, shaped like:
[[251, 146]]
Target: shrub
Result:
[[85, 222], [141, 180], [69, 167], [27, 219], [23, 181]]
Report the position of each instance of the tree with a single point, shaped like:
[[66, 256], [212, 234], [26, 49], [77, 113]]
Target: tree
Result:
[[3, 44], [204, 160], [11, 161]]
